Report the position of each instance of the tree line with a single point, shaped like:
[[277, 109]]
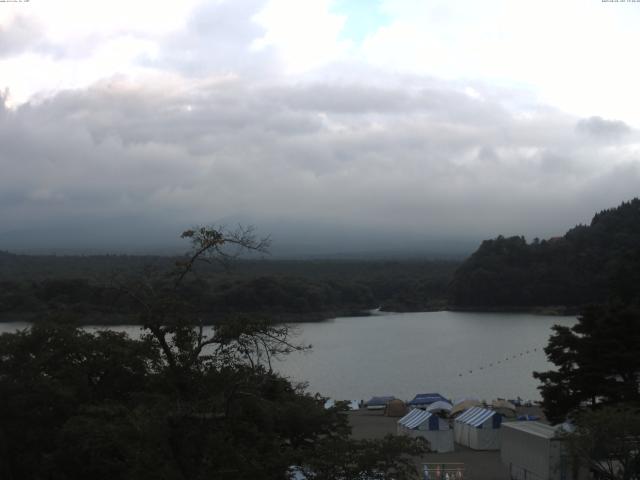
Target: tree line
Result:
[[287, 290], [587, 265]]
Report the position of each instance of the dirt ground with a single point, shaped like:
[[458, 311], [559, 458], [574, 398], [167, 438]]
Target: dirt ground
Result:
[[479, 465]]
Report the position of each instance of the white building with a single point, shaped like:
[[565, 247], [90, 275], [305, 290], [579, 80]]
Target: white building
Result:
[[534, 451]]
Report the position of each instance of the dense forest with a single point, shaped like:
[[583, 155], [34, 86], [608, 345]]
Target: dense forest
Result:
[[589, 264], [96, 287]]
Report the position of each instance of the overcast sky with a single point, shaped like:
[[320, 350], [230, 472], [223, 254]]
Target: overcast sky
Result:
[[334, 125]]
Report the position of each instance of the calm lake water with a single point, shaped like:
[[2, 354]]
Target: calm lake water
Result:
[[484, 355]]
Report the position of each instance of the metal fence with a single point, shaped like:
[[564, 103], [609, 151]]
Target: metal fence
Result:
[[443, 471]]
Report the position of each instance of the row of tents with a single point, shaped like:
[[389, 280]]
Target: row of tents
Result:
[[530, 449], [465, 421], [477, 428], [436, 403]]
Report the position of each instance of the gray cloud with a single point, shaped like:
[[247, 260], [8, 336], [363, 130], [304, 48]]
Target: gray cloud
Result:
[[217, 39], [420, 163], [348, 154], [599, 127]]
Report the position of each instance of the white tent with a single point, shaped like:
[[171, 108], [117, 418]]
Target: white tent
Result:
[[478, 428], [418, 423], [440, 406]]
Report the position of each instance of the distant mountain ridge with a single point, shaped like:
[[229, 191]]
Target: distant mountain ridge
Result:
[[587, 265]]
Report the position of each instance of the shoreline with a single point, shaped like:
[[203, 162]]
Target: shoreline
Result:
[[116, 319], [119, 319], [551, 310]]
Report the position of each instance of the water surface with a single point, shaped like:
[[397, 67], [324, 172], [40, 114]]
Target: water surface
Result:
[[485, 355]]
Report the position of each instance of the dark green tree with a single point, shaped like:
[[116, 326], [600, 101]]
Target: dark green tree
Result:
[[597, 360], [589, 264], [345, 459], [607, 442]]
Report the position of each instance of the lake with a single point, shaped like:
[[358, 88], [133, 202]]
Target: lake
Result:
[[484, 355]]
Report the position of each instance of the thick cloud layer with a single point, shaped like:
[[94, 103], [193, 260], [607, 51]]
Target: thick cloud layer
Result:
[[430, 161], [205, 124]]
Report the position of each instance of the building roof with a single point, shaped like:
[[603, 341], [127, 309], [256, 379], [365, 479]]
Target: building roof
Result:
[[534, 428], [475, 416]]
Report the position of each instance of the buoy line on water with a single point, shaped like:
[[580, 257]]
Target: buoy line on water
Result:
[[508, 358]]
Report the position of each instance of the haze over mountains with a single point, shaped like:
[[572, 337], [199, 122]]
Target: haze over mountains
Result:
[[290, 239], [299, 240]]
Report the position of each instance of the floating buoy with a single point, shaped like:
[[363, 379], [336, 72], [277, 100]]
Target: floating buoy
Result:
[[499, 362]]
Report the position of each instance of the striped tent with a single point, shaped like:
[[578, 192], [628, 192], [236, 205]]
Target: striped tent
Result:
[[478, 428], [418, 423]]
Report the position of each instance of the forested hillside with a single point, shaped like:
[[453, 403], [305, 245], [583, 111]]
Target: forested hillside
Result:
[[95, 287], [587, 265]]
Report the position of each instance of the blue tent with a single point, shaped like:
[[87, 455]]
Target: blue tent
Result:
[[426, 399]]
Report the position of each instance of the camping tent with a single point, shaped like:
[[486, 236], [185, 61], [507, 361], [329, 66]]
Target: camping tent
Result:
[[440, 407], [504, 407], [379, 403], [418, 423], [463, 405], [478, 428], [395, 408], [423, 400]]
